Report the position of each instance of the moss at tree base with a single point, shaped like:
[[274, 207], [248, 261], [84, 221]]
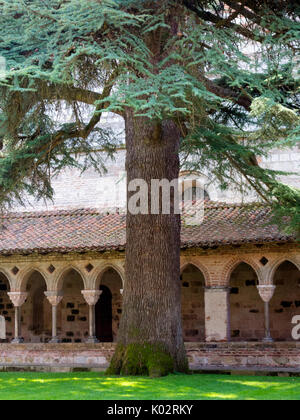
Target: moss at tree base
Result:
[[142, 360]]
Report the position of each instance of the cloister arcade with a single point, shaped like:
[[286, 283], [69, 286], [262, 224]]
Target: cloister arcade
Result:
[[224, 298]]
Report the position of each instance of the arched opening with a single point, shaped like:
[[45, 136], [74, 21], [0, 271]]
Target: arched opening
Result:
[[109, 306], [246, 306], [192, 302], [104, 332], [6, 308], [36, 311], [73, 312], [286, 301]]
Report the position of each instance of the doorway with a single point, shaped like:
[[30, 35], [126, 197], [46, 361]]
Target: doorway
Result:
[[104, 316]]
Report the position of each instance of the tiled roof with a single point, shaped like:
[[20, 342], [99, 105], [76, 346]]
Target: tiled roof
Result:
[[92, 230]]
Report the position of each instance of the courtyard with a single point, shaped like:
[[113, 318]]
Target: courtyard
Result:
[[149, 201], [95, 386]]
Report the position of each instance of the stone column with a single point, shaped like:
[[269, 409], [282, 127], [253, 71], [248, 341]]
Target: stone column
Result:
[[217, 318], [266, 293], [54, 298], [18, 299], [91, 297]]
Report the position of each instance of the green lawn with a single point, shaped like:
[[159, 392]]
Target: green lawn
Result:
[[95, 386]]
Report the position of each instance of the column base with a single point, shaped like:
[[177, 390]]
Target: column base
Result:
[[92, 340], [55, 340], [18, 340]]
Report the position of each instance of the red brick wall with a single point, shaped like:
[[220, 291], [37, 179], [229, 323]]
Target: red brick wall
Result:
[[250, 355], [201, 355]]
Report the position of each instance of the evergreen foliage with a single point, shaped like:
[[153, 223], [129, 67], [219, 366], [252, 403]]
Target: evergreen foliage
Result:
[[229, 77]]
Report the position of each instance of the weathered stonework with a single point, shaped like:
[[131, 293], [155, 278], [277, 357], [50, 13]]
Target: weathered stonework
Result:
[[244, 355], [18, 298], [220, 301], [266, 292], [54, 298], [251, 356], [217, 313], [91, 296]]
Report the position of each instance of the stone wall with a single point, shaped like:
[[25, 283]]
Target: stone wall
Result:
[[73, 312], [193, 313], [201, 356], [73, 189], [56, 355], [244, 355]]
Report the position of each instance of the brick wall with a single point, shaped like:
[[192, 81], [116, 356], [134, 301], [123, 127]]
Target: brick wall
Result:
[[250, 355], [200, 355]]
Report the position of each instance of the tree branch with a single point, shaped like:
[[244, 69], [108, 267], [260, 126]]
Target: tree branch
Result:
[[220, 22], [227, 93]]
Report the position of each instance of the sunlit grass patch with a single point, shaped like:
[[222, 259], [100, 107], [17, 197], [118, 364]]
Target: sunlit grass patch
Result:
[[95, 386]]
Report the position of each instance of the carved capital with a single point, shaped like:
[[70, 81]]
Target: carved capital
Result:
[[18, 298], [91, 296], [266, 292], [54, 298]]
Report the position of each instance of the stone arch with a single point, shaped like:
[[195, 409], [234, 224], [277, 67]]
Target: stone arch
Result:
[[73, 311], [277, 264], [105, 331], [285, 304], [199, 266], [24, 276], [7, 276], [246, 306], [193, 283], [101, 270], [59, 280], [6, 307], [109, 307], [36, 311], [234, 263]]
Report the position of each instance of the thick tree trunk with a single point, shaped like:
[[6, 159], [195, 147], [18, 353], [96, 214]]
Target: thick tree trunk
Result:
[[150, 338]]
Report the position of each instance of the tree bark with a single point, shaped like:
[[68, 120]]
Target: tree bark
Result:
[[150, 337]]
